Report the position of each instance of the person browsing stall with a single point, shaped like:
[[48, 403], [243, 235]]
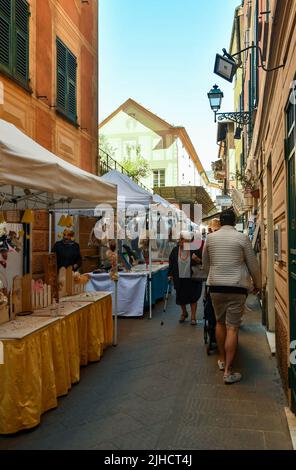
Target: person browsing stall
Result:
[[67, 251], [188, 290]]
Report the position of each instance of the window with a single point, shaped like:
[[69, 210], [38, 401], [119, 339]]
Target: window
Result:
[[255, 57], [290, 126], [267, 10], [66, 82], [14, 39], [130, 149], [131, 122], [158, 178]]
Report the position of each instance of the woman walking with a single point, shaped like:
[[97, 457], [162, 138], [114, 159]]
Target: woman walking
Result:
[[188, 289]]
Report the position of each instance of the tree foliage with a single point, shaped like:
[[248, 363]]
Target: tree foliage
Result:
[[106, 146], [137, 168]]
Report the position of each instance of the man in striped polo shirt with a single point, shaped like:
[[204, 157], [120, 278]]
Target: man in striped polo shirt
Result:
[[229, 258]]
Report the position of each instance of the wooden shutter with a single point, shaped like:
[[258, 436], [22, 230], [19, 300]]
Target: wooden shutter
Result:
[[71, 78], [5, 34], [21, 39], [61, 77]]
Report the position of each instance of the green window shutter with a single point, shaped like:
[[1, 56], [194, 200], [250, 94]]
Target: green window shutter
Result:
[[66, 81], [72, 85], [61, 77], [21, 65], [5, 34]]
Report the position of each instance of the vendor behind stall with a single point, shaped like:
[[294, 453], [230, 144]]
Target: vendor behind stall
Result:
[[67, 251]]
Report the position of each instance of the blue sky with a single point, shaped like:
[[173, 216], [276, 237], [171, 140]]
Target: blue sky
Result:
[[161, 53]]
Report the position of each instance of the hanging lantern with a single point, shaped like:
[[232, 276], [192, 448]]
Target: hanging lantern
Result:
[[69, 221], [62, 221], [28, 217]]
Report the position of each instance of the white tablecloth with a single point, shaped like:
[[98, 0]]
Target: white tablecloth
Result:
[[131, 291]]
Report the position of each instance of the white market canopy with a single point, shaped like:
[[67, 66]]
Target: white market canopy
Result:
[[163, 202], [30, 174], [160, 200], [128, 191]]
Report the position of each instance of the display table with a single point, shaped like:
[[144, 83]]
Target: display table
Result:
[[133, 294], [43, 355]]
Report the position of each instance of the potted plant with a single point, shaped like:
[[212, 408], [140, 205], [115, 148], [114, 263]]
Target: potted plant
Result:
[[249, 184], [256, 193]]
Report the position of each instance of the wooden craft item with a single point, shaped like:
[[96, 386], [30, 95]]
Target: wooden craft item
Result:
[[62, 282], [17, 297], [4, 314], [33, 295], [45, 299], [51, 273], [26, 294], [69, 280]]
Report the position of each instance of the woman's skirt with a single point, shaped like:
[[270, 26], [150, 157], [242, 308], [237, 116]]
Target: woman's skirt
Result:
[[188, 291]]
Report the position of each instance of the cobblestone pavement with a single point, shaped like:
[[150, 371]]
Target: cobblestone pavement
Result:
[[158, 390]]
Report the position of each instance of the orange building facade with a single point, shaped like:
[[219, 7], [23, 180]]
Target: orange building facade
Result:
[[49, 85], [32, 107], [269, 164]]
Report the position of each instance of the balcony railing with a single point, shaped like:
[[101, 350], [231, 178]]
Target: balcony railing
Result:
[[107, 163]]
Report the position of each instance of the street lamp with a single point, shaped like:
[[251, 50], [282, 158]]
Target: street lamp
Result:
[[226, 66], [215, 96]]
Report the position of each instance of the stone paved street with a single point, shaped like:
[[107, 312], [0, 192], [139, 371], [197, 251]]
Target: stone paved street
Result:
[[159, 390]]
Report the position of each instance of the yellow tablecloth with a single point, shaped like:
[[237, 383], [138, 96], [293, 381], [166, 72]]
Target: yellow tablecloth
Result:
[[42, 366]]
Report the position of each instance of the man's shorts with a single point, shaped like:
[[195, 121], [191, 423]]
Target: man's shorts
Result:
[[229, 308]]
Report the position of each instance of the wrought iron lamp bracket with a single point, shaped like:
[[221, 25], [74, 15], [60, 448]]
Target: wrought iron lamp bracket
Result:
[[241, 118]]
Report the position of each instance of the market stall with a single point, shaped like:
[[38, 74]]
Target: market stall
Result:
[[42, 356], [155, 215], [134, 203], [32, 176], [43, 350], [133, 288]]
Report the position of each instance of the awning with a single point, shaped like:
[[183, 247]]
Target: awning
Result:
[[239, 203], [187, 195], [31, 175], [128, 191], [163, 206], [215, 215]]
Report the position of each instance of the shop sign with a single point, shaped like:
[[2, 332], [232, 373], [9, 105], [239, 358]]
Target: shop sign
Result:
[[224, 201]]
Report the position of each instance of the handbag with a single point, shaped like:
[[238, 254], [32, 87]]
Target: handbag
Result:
[[198, 273]]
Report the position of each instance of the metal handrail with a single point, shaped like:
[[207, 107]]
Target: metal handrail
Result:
[[107, 163]]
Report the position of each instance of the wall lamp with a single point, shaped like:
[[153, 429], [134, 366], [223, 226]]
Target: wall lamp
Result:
[[215, 96], [226, 66]]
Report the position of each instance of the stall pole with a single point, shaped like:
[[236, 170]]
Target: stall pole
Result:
[[150, 266], [50, 232], [115, 333]]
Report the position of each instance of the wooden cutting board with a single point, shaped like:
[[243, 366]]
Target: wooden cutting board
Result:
[[26, 293], [69, 280], [17, 296], [51, 273]]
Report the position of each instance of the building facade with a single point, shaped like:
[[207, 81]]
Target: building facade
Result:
[[269, 162], [273, 149], [49, 83], [133, 130]]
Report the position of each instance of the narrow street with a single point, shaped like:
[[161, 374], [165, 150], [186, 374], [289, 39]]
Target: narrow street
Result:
[[159, 390]]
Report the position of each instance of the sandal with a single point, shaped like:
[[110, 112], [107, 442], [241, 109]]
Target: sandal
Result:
[[193, 322], [182, 319], [232, 378], [221, 365]]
